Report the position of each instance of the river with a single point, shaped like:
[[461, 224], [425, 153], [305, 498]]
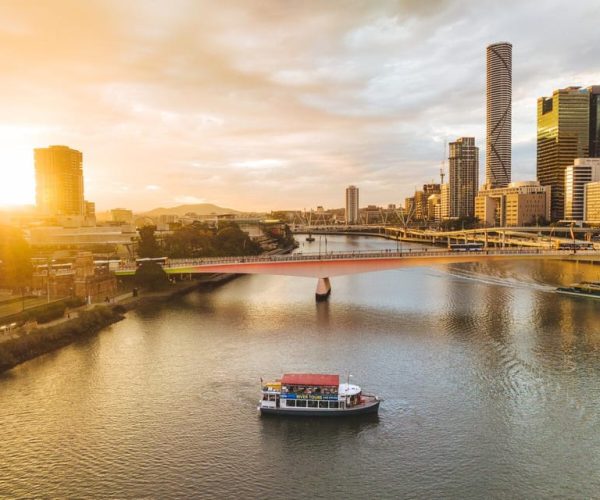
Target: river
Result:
[[491, 384]]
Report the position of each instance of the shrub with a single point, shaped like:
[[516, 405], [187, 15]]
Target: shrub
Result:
[[50, 312]]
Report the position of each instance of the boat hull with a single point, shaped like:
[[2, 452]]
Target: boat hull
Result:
[[365, 409]]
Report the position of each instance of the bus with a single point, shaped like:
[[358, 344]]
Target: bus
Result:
[[162, 261], [575, 246], [110, 264], [466, 247]]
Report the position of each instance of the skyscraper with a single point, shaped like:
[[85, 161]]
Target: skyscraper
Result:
[[594, 121], [351, 205], [59, 181], [563, 134], [498, 115], [464, 176]]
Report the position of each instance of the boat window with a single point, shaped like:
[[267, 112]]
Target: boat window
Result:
[[301, 403], [333, 404], [271, 397], [291, 402], [323, 404], [312, 404], [265, 397]]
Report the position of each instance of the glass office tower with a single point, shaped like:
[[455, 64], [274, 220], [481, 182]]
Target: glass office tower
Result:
[[562, 136]]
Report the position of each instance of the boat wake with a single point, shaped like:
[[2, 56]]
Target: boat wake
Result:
[[509, 282]]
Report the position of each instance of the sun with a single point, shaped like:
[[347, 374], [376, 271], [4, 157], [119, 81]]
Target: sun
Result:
[[17, 185]]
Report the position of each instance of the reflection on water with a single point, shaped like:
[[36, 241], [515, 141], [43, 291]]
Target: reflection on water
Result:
[[491, 384]]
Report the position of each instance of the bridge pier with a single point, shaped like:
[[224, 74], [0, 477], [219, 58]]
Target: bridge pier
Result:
[[323, 289]]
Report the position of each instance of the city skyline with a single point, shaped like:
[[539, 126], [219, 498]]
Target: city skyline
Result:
[[230, 107]]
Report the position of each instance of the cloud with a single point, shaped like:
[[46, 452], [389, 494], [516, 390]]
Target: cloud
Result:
[[264, 105], [188, 200]]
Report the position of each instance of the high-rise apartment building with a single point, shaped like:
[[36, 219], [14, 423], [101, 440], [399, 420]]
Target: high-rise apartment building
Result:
[[563, 134], [59, 181], [498, 115], [434, 207], [409, 206], [464, 176], [351, 205], [420, 205], [445, 201], [594, 121], [422, 201], [582, 171]]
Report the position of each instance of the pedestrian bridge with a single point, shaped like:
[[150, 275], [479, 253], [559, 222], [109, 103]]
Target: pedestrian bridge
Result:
[[326, 265]]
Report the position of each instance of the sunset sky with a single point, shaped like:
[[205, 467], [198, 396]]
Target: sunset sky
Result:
[[260, 105]]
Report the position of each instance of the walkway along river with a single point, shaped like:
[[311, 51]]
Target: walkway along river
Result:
[[491, 383]]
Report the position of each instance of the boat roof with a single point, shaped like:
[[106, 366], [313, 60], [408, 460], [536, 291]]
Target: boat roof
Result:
[[310, 379]]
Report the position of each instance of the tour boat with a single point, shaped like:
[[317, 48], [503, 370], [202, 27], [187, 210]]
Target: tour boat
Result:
[[589, 289], [311, 394]]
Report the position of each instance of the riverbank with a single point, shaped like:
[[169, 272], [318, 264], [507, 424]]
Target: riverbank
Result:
[[37, 341], [30, 341]]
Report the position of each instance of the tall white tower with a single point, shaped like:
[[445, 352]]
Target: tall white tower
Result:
[[499, 115]]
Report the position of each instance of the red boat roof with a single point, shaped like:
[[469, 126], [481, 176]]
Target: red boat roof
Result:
[[310, 379]]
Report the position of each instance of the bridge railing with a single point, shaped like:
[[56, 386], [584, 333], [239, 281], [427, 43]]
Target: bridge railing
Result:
[[362, 254]]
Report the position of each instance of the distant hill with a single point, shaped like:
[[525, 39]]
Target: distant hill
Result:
[[197, 208]]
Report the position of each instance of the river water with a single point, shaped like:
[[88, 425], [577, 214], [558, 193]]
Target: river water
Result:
[[491, 384]]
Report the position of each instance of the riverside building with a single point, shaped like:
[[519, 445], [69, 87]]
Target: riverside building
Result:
[[464, 176], [592, 203], [351, 205], [582, 171], [498, 114], [519, 204]]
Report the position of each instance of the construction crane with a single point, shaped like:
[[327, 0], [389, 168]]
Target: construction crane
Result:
[[442, 174]]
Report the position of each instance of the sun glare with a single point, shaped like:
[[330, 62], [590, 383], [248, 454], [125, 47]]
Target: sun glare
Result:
[[17, 184]]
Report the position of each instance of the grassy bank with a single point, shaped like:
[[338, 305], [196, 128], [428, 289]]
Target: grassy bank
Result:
[[43, 340]]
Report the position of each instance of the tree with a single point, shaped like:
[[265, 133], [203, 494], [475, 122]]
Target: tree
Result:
[[148, 246], [193, 240], [151, 276], [15, 259], [231, 240]]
